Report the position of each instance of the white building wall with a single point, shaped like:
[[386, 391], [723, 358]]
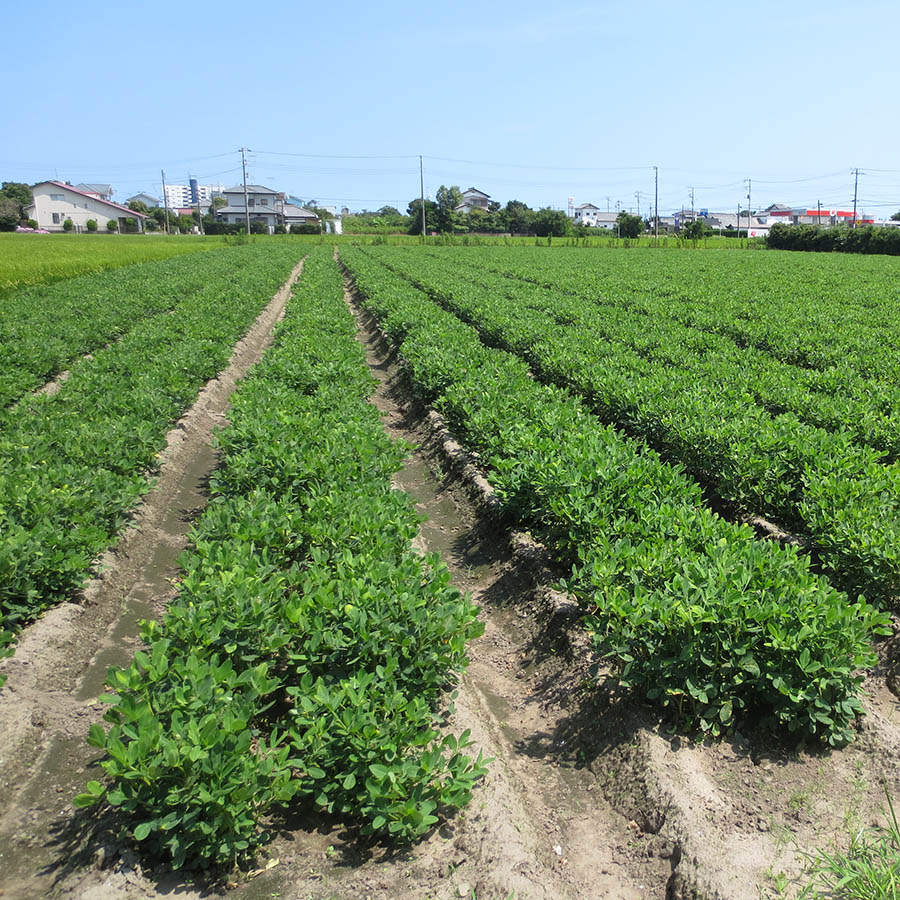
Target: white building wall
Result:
[[72, 206]]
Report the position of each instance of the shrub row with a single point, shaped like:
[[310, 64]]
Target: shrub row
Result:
[[309, 645], [865, 239], [696, 614]]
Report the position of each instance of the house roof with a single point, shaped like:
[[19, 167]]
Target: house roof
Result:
[[141, 195], [254, 210], [587, 206], [251, 189], [92, 196], [472, 190], [291, 209], [95, 188]]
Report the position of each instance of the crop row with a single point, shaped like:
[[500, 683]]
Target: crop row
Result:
[[72, 465], [305, 655], [44, 328], [806, 477], [813, 311], [696, 613], [837, 398]]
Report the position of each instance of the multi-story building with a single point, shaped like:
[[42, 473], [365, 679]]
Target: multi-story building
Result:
[[181, 195], [265, 206], [54, 202]]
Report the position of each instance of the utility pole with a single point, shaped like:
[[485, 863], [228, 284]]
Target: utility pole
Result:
[[607, 204], [819, 214], [246, 204], [693, 214], [422, 191], [749, 191], [656, 202], [165, 198], [637, 196], [855, 186]]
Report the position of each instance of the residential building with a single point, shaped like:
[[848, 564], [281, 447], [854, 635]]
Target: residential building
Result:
[[593, 216], [147, 199], [265, 205], [181, 195], [474, 199], [103, 191], [54, 202]]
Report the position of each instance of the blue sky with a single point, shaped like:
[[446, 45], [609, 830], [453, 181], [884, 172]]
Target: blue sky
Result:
[[536, 101]]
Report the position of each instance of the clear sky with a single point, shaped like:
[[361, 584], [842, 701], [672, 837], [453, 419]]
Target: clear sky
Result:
[[536, 101]]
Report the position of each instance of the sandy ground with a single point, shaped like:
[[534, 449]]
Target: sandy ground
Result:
[[588, 795]]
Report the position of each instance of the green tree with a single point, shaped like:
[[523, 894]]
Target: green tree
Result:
[[550, 223], [10, 213], [629, 226], [414, 211], [696, 230], [139, 206], [20, 195], [517, 218], [896, 217], [447, 198], [388, 211]]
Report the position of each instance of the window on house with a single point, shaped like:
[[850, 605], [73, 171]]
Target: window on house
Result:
[[59, 197], [56, 217], [252, 202], [264, 202]]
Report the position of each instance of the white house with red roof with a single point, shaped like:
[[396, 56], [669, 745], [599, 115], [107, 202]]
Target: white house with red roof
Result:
[[55, 201]]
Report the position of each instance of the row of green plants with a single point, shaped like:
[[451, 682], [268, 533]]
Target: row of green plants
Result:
[[43, 328], [836, 399], [72, 465], [304, 659], [836, 314], [694, 612], [806, 477]]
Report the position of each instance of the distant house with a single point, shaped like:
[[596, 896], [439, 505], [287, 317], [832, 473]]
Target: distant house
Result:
[[103, 191], [474, 199], [147, 199], [593, 216], [297, 215], [265, 206], [54, 202]]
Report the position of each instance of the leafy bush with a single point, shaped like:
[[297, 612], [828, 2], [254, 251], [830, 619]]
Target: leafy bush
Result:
[[91, 225], [112, 225], [68, 225]]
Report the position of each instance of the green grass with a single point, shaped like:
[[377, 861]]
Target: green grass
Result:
[[869, 869], [27, 259]]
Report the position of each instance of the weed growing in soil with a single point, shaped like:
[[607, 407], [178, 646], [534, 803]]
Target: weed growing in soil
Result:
[[869, 869]]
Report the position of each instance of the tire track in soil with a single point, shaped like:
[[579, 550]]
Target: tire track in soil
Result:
[[61, 660]]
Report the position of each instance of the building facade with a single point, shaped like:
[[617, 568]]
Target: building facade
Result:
[[54, 202]]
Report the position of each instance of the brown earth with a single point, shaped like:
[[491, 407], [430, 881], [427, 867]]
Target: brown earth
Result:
[[588, 795]]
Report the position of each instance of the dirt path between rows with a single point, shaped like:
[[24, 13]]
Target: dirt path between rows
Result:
[[61, 661]]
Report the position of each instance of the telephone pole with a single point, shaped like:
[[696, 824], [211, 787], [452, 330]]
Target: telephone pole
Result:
[[855, 186], [637, 196], [246, 204], [422, 190], [693, 214], [749, 191], [655, 202], [165, 199]]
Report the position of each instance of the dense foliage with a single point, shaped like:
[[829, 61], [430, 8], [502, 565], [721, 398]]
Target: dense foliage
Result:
[[73, 464], [309, 644], [865, 239], [697, 614]]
